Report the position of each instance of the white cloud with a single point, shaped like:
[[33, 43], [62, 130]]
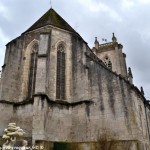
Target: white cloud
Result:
[[144, 1], [3, 42], [98, 7], [3, 37], [94, 6], [4, 12], [128, 3]]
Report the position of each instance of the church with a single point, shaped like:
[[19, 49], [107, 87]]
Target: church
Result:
[[68, 96]]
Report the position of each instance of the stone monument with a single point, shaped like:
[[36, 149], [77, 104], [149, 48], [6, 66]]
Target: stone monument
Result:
[[11, 134]]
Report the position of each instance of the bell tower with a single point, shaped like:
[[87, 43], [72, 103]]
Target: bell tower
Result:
[[112, 56]]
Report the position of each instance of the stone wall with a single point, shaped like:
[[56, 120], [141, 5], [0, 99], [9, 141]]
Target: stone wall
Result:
[[52, 122], [103, 105], [22, 115], [147, 109], [0, 87], [99, 103], [58, 37], [15, 70], [11, 71], [118, 107], [6, 113]]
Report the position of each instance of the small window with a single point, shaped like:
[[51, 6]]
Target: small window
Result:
[[107, 62], [60, 81]]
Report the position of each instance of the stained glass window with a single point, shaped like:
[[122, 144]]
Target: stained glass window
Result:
[[60, 82]]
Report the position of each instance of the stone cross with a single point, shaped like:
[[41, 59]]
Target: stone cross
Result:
[[51, 3]]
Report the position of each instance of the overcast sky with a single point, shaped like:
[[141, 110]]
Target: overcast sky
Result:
[[128, 19]]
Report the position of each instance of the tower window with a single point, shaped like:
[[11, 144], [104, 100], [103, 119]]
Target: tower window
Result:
[[60, 81], [108, 63]]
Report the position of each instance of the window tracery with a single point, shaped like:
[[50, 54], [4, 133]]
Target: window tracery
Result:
[[107, 62], [60, 81]]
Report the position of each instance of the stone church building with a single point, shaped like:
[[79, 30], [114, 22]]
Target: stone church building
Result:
[[67, 96]]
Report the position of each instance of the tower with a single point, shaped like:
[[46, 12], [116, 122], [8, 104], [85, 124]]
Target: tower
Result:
[[112, 56]]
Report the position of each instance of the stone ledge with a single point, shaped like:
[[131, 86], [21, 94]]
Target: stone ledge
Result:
[[63, 102], [24, 102]]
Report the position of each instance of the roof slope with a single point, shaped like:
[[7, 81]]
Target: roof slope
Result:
[[51, 18]]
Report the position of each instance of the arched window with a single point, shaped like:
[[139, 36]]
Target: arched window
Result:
[[32, 70], [60, 79], [107, 62]]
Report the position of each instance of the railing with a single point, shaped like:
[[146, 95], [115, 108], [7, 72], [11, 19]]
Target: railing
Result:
[[106, 44]]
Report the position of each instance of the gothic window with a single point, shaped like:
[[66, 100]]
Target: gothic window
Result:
[[108, 63], [60, 81], [32, 70]]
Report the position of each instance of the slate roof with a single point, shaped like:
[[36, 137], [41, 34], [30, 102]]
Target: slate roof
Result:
[[51, 18]]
